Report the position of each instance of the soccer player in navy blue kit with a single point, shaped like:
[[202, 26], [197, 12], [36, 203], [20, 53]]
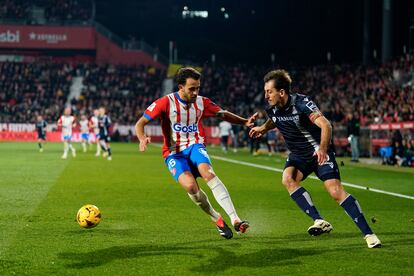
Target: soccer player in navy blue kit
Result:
[[307, 134], [41, 131], [104, 122]]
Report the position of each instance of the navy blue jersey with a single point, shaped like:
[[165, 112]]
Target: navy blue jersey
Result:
[[295, 122], [41, 128], [104, 122]]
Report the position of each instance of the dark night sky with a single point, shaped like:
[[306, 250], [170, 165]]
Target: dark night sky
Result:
[[297, 31]]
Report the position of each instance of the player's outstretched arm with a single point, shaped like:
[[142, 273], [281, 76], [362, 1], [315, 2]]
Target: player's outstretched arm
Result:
[[326, 134], [259, 131], [139, 130], [236, 119]]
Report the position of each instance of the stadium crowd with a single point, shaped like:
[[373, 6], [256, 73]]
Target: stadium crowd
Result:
[[28, 89], [14, 9], [61, 10], [125, 90], [377, 94], [55, 11]]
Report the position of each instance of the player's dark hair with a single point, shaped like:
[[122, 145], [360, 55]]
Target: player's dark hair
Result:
[[281, 79], [186, 73]]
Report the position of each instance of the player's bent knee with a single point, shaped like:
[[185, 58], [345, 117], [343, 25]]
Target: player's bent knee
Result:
[[336, 191], [208, 177], [289, 182], [191, 188], [206, 172]]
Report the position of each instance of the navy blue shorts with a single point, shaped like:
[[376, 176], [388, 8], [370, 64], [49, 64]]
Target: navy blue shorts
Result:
[[105, 138], [41, 136], [326, 171]]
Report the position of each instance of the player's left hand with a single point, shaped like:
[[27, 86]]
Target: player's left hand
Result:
[[143, 143], [251, 120], [322, 156]]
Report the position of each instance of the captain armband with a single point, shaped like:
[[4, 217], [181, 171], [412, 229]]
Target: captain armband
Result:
[[315, 115]]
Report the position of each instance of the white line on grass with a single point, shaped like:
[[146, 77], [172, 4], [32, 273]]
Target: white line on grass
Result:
[[311, 176]]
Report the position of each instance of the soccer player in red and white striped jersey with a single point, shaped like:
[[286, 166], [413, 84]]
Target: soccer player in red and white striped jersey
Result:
[[184, 151]]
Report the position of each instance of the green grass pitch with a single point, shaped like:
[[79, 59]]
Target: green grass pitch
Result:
[[150, 226]]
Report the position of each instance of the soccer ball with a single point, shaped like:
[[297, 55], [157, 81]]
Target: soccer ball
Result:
[[88, 216]]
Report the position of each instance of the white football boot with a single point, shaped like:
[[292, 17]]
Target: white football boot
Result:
[[319, 227], [372, 241]]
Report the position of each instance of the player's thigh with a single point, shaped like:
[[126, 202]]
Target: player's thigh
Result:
[[335, 189], [177, 165], [291, 177], [329, 169], [201, 161]]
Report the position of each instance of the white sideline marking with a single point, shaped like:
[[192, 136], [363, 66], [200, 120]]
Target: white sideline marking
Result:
[[311, 176]]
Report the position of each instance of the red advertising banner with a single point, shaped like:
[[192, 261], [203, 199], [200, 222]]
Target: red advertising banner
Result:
[[41, 37], [31, 136], [391, 126], [17, 136], [26, 132]]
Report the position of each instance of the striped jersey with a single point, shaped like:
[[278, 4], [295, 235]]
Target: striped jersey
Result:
[[94, 123], [66, 122], [181, 121], [84, 126], [296, 123]]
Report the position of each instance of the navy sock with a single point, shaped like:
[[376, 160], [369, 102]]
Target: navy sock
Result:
[[352, 208], [109, 152], [304, 201], [40, 145]]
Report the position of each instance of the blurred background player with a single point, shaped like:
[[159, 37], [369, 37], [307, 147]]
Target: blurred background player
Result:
[[84, 132], [184, 151], [353, 130], [104, 122], [271, 138], [235, 131], [67, 122], [226, 131], [256, 142], [308, 134], [94, 124], [41, 131]]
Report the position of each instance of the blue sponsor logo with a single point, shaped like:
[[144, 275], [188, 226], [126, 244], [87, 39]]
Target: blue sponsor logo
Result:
[[183, 128]]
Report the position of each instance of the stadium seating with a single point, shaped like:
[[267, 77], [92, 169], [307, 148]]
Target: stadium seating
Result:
[[27, 89], [53, 11]]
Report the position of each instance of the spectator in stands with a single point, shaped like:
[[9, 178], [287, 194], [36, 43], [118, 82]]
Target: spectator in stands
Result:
[[398, 153], [353, 130]]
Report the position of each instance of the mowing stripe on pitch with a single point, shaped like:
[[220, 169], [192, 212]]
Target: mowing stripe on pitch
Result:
[[311, 176]]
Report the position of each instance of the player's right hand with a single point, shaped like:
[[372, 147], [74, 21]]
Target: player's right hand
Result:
[[143, 143], [256, 132], [251, 120]]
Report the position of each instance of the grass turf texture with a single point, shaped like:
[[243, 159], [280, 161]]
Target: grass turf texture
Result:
[[150, 226]]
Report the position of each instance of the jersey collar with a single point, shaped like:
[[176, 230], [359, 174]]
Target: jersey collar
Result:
[[177, 95], [290, 102]]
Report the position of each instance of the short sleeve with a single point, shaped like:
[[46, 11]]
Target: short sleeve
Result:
[[210, 108], [309, 108], [156, 108]]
